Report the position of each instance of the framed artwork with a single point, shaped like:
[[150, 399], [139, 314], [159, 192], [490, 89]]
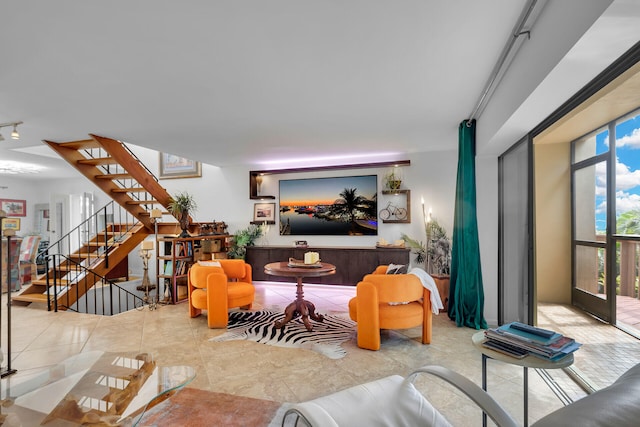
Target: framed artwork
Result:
[[11, 224], [14, 207], [264, 212], [178, 167], [332, 206]]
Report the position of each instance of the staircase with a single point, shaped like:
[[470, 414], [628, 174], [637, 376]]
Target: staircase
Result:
[[94, 249]]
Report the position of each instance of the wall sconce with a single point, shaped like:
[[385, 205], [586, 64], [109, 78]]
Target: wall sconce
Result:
[[14, 133], [428, 228]]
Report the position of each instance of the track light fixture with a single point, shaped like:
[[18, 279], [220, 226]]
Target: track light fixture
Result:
[[14, 133]]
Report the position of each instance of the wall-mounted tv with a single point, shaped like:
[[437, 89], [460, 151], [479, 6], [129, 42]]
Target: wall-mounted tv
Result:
[[340, 206]]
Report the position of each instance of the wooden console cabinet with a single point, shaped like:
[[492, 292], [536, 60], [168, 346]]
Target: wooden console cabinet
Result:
[[352, 263]]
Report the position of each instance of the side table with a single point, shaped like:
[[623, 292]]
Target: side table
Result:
[[527, 362], [300, 306]]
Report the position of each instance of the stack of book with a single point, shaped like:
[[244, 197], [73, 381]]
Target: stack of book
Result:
[[519, 340]]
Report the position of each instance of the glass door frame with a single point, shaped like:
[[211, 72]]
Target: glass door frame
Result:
[[605, 308]]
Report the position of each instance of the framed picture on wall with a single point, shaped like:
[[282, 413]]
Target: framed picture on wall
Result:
[[178, 167], [11, 224], [14, 207], [264, 212]]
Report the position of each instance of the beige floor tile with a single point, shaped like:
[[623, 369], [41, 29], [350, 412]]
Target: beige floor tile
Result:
[[41, 338]]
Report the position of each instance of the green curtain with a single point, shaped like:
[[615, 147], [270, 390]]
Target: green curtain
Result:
[[466, 294]]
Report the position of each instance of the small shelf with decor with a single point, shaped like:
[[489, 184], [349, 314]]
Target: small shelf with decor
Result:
[[398, 208], [255, 185], [175, 257]]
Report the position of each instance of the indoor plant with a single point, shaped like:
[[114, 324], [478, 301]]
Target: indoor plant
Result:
[[436, 253], [180, 206], [242, 239], [393, 179]]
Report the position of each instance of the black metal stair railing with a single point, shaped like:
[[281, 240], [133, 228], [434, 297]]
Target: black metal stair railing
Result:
[[103, 296], [89, 243], [115, 168], [94, 238]]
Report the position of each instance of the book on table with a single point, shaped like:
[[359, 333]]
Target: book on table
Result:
[[543, 343]]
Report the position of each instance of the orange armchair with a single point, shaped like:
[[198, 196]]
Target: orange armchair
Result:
[[217, 289], [390, 301]]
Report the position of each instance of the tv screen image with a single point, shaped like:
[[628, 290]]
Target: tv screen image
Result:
[[338, 206]]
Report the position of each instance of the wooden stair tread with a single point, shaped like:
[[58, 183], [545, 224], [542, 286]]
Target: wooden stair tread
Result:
[[30, 297], [129, 190], [98, 161], [142, 202], [81, 145], [114, 176], [85, 255], [43, 282]]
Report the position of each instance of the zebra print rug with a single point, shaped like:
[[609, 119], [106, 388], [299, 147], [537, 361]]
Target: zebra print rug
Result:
[[325, 338]]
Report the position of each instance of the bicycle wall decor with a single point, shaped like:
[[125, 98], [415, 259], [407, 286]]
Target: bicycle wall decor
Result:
[[398, 208]]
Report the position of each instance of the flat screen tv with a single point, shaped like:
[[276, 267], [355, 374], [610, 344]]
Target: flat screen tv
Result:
[[341, 206]]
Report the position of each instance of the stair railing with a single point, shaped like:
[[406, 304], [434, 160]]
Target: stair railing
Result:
[[117, 168], [94, 238], [101, 296], [84, 246]]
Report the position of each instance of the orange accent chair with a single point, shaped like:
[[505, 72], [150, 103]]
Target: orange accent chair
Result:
[[217, 289], [389, 301]]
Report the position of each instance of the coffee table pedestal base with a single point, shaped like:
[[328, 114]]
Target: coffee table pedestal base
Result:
[[300, 307]]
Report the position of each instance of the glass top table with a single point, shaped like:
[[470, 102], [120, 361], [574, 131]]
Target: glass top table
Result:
[[92, 388]]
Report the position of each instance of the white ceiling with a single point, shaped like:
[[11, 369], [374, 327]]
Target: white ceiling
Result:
[[256, 81]]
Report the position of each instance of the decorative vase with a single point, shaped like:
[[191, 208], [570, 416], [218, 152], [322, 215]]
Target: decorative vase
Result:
[[184, 223]]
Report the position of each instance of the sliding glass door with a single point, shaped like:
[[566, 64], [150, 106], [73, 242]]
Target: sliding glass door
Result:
[[626, 237], [590, 206]]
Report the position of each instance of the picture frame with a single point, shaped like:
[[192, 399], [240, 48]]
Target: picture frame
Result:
[[264, 213], [318, 207], [14, 207], [172, 166], [11, 224]]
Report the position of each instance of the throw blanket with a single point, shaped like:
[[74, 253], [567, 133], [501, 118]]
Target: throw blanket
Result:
[[429, 283]]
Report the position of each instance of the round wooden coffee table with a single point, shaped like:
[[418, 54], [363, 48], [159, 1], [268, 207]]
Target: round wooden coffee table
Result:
[[300, 307]]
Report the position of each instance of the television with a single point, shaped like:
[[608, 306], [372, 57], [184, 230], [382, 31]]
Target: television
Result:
[[340, 206]]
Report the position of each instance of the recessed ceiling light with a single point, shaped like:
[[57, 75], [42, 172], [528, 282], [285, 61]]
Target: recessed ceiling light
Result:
[[13, 168]]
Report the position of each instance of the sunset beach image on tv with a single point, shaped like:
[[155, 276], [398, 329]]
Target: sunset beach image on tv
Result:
[[329, 206]]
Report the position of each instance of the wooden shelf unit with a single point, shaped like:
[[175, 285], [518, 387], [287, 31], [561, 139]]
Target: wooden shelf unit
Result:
[[407, 205], [175, 255]]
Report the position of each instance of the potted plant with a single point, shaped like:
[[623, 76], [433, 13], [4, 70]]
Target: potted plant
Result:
[[393, 179], [436, 252], [244, 238], [180, 206]]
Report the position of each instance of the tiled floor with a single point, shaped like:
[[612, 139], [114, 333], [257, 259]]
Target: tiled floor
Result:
[[628, 312], [42, 338]]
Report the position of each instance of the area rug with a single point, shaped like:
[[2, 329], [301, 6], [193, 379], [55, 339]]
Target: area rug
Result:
[[192, 407], [325, 338]]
